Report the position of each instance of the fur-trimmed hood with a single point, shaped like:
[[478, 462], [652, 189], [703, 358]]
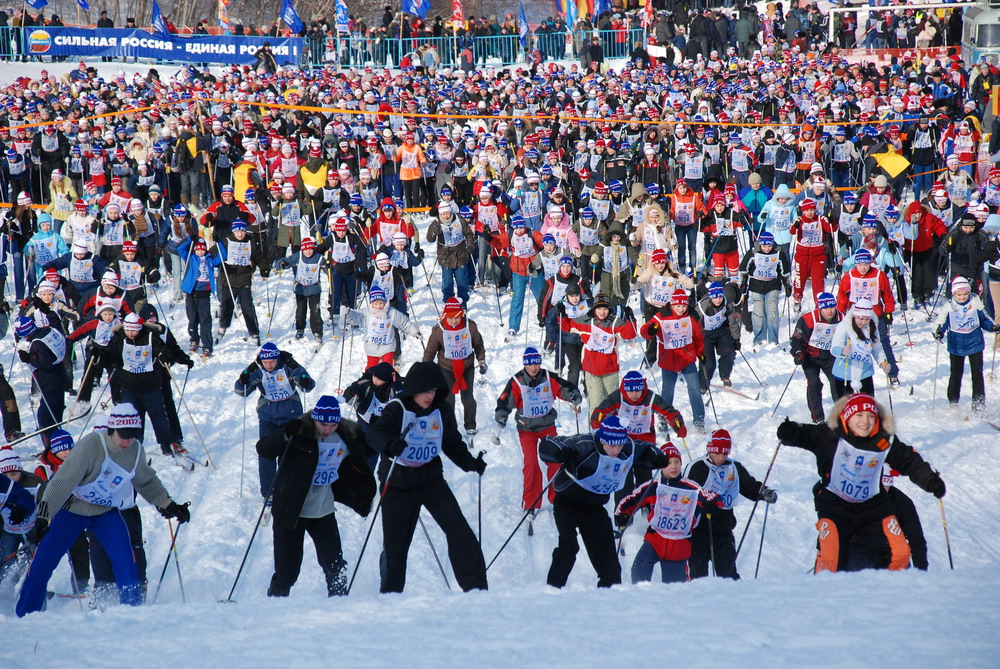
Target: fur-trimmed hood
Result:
[[887, 422]]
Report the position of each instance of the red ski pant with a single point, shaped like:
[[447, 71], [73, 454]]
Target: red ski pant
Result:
[[810, 265], [531, 471], [374, 360], [726, 264]]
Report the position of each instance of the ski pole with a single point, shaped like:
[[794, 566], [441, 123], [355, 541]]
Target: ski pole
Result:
[[191, 416], [496, 291], [711, 545], [243, 449], [760, 549], [888, 386], [708, 386], [762, 384], [763, 483], [686, 449], [993, 362], [430, 289], [479, 505], [947, 541], [937, 355], [434, 551], [371, 526], [385, 488], [792, 376], [527, 513], [246, 554]]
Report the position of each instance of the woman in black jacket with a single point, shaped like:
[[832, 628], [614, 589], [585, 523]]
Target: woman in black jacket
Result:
[[857, 439], [322, 462]]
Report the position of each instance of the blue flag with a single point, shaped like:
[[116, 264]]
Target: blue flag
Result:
[[417, 7], [156, 20], [601, 7], [83, 4], [38, 4], [291, 17], [343, 21], [522, 28]]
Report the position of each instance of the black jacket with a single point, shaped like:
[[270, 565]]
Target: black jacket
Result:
[[297, 447], [585, 456], [421, 376]]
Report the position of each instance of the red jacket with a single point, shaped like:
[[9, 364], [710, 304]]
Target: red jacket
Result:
[[666, 549], [656, 405], [882, 301], [929, 227], [675, 359], [595, 361]]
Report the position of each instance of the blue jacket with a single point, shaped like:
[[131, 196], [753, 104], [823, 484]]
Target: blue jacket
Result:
[[293, 262], [191, 271], [14, 494], [965, 343], [281, 411]]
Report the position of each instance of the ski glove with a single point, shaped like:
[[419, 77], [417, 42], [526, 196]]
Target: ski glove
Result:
[[178, 511], [799, 357], [996, 327], [483, 367], [187, 362], [395, 447], [479, 466], [787, 430], [18, 514], [629, 316], [569, 458], [936, 486], [678, 424], [500, 416], [737, 345], [939, 334], [38, 532], [769, 496]]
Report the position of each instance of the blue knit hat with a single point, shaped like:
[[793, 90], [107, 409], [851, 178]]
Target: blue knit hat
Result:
[[765, 239], [633, 382], [611, 432], [239, 225], [25, 326], [532, 356], [715, 289], [862, 257], [269, 351], [60, 440], [376, 294], [327, 410], [826, 301]]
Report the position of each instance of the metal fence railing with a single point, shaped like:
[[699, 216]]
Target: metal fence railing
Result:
[[353, 50]]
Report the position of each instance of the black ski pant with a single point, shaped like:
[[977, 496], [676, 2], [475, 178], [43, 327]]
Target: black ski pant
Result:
[[468, 397], [400, 513], [288, 555], [199, 315], [716, 536], [8, 406], [170, 406], [104, 577], [843, 387], [718, 342], [909, 521], [571, 355], [812, 367], [150, 401], [92, 373], [594, 525], [925, 274], [975, 370], [226, 307], [310, 302]]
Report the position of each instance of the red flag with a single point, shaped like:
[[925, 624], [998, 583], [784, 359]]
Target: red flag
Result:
[[647, 18], [457, 13]]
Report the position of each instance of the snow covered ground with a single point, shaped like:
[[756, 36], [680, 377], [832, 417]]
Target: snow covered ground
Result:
[[785, 618]]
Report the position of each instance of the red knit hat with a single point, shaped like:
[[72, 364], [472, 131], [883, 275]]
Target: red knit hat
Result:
[[859, 402], [453, 307], [659, 255], [679, 296], [720, 442], [671, 451]]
